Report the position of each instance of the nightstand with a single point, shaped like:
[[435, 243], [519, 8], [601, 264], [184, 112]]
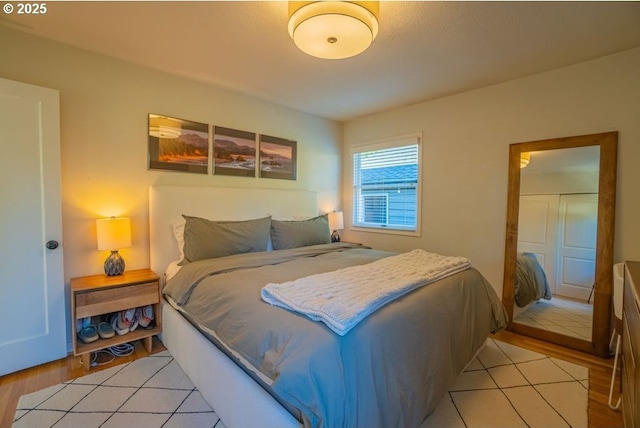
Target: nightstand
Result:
[[92, 296]]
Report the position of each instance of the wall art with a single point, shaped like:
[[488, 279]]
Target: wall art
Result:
[[234, 152], [178, 144], [277, 158]]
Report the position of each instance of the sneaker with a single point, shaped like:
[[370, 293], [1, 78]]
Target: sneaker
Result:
[[146, 316], [114, 324], [134, 321], [125, 318]]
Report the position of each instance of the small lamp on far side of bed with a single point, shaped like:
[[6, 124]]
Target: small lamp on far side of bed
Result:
[[113, 234], [336, 222]]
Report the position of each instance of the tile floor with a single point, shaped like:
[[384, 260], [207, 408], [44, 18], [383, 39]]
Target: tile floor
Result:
[[505, 386], [568, 317]]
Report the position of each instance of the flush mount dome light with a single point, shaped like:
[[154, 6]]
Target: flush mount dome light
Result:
[[333, 29], [164, 127]]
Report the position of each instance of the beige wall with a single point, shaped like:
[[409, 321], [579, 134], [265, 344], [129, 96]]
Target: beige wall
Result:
[[104, 108], [465, 151]]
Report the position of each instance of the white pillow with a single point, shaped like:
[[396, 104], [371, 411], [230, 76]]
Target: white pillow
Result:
[[172, 270], [178, 233]]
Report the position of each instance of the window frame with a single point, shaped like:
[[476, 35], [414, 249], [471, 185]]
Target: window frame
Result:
[[382, 144]]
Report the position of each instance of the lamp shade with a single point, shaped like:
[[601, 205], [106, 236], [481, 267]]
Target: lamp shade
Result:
[[113, 233], [524, 159], [333, 29], [336, 220]]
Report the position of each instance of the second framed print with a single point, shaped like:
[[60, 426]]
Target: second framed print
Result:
[[234, 152], [277, 158]]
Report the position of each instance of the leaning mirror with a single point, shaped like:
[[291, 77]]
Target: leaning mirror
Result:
[[559, 243]]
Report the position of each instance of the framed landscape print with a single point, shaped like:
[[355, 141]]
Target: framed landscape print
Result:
[[277, 158], [234, 152], [178, 145]]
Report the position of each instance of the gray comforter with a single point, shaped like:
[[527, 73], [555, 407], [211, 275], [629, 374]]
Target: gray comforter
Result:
[[391, 370], [531, 281]]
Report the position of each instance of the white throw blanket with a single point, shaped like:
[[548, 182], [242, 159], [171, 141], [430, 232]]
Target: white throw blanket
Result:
[[342, 298]]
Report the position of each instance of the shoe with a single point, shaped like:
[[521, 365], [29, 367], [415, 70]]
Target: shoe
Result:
[[83, 323], [125, 318], [137, 314], [88, 334], [146, 316], [114, 324], [105, 330]]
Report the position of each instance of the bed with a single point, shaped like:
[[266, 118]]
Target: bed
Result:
[[261, 365], [531, 281]]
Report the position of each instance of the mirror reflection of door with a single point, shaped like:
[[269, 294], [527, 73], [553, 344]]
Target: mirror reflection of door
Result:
[[557, 227], [577, 228]]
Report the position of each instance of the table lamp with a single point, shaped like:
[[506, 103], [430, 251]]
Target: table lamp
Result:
[[113, 234], [336, 222]]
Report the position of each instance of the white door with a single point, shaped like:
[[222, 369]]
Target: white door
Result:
[[32, 297], [577, 229], [537, 228]]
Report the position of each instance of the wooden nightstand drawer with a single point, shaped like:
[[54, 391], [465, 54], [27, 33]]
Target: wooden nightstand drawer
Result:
[[99, 302]]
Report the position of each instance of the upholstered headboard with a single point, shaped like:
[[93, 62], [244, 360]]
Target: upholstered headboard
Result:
[[168, 203]]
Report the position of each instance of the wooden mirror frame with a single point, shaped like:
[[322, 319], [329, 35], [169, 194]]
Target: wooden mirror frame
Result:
[[608, 143]]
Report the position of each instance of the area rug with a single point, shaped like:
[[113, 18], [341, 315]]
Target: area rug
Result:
[[505, 386]]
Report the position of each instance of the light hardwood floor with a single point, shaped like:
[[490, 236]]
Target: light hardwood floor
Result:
[[14, 385]]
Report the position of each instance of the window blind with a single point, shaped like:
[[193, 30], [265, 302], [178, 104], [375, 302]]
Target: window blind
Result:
[[385, 185]]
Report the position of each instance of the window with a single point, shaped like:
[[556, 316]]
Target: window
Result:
[[385, 185]]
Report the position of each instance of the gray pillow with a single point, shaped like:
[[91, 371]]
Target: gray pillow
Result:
[[294, 234], [206, 239]]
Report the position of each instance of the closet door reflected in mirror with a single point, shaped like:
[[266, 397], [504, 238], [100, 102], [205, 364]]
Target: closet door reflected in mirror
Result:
[[559, 247]]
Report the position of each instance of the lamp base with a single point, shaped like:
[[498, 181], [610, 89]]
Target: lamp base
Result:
[[114, 265], [335, 237]]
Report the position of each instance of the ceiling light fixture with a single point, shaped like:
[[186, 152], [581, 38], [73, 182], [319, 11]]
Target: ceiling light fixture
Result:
[[524, 159], [164, 127], [333, 29]]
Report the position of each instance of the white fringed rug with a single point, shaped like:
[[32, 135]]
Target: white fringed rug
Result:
[[148, 392], [505, 386]]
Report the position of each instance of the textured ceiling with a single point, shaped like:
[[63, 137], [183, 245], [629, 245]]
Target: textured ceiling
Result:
[[424, 50]]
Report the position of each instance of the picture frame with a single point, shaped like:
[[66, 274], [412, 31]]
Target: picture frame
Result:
[[178, 144], [234, 152], [278, 158]]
